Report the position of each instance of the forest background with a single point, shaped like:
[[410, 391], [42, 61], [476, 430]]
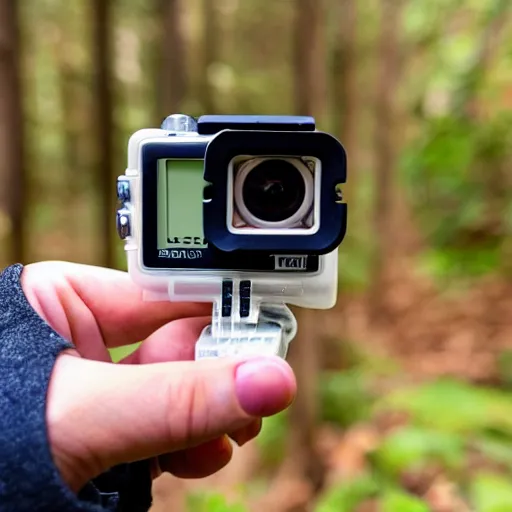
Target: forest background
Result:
[[404, 388]]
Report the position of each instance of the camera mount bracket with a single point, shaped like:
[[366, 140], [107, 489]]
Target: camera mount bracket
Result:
[[243, 325]]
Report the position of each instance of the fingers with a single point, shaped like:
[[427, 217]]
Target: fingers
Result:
[[103, 414], [82, 301], [172, 342], [176, 342], [248, 433], [207, 458], [200, 461]]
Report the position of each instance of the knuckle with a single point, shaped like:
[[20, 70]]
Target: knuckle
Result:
[[188, 416]]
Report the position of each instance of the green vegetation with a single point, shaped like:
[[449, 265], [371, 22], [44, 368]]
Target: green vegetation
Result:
[[212, 502], [459, 432]]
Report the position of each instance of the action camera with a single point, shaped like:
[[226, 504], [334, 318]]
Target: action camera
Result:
[[245, 212]]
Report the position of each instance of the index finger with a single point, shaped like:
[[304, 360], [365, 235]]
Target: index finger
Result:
[[109, 297]]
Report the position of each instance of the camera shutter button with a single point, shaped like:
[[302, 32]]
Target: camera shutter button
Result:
[[124, 224], [123, 190]]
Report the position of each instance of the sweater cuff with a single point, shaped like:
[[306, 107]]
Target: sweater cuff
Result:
[[29, 479]]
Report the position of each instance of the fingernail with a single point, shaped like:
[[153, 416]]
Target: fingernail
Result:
[[264, 386]]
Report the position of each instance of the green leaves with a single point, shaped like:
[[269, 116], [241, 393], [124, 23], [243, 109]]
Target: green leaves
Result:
[[496, 448], [416, 448], [345, 396], [505, 367], [491, 493], [272, 438], [455, 407], [212, 502], [399, 501], [121, 352], [456, 171], [348, 495]]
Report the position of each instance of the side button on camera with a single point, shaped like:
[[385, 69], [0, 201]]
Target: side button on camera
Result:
[[123, 190], [124, 225]]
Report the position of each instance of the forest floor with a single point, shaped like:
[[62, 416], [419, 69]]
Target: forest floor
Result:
[[430, 334]]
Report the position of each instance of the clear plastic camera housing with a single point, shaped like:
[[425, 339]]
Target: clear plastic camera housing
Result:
[[270, 325]]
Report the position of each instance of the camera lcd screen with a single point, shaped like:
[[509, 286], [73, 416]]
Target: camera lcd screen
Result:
[[180, 204]]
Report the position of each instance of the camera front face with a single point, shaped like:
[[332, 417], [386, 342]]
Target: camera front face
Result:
[[246, 201], [275, 192]]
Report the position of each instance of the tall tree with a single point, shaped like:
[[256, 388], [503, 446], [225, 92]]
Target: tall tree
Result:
[[73, 80], [310, 77], [104, 129], [388, 58], [12, 164], [310, 58], [172, 70], [344, 66], [210, 54]]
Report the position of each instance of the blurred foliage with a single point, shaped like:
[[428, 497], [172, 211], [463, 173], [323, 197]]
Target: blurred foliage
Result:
[[212, 502], [272, 439], [452, 165], [447, 425], [399, 501], [348, 495], [349, 388], [491, 492], [119, 353], [413, 448], [505, 368], [454, 406]]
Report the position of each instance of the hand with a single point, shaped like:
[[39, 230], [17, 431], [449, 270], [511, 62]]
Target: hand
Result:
[[158, 403]]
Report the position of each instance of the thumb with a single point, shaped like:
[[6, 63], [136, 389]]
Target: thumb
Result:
[[100, 414]]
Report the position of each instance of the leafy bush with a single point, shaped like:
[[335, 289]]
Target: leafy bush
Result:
[[505, 368], [454, 406], [272, 439], [452, 161], [212, 502], [491, 493], [348, 495], [449, 426], [412, 448], [345, 397], [396, 500]]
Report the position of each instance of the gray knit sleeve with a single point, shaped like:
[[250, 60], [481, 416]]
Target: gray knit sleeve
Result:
[[29, 479]]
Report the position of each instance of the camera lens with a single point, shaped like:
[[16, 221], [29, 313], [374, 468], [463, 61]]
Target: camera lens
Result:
[[274, 190]]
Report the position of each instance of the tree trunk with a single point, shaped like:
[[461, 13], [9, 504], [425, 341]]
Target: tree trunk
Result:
[[104, 129], [303, 462], [12, 165], [345, 94], [464, 103], [72, 104], [210, 54], [385, 152], [173, 73], [310, 59]]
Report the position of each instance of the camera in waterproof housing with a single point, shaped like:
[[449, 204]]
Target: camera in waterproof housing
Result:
[[245, 212]]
